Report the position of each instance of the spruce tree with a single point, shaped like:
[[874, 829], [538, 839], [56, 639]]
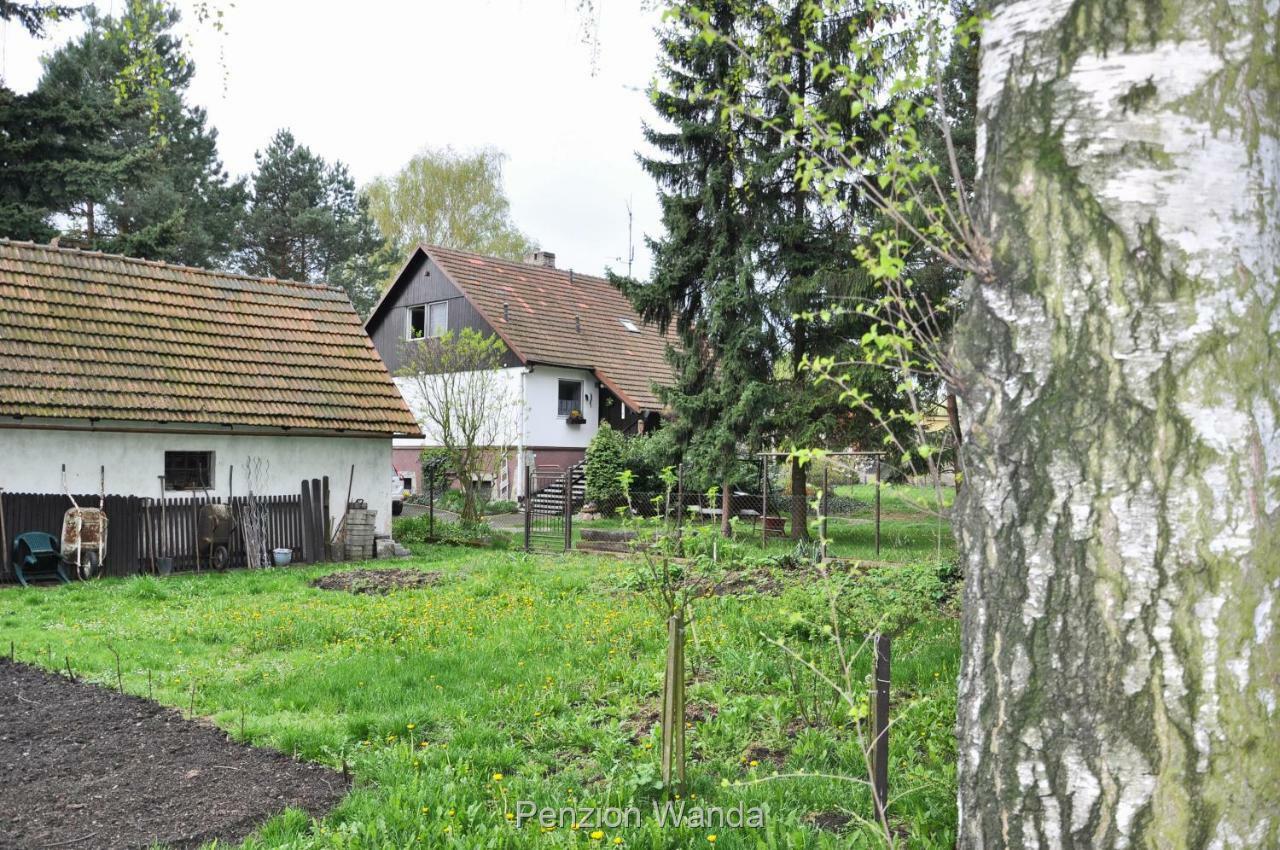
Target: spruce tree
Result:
[[704, 283]]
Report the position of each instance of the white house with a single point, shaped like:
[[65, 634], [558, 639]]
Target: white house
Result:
[[164, 375], [574, 343]]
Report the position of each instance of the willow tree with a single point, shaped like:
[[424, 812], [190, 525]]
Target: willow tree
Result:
[[1121, 527]]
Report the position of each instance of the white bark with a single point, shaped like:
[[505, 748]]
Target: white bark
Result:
[[1121, 520]]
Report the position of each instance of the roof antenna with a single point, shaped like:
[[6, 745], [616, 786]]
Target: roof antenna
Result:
[[631, 246]]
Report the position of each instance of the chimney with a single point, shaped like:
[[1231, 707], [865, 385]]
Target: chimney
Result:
[[546, 259]]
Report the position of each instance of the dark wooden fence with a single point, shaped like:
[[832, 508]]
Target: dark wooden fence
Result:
[[138, 528]]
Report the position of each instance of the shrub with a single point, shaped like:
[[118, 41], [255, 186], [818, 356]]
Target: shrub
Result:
[[498, 506], [418, 530], [606, 459]]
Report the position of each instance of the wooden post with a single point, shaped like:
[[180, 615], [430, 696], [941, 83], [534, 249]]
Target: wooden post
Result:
[[877, 506], [307, 556], [822, 523], [673, 703], [528, 507], [880, 730], [4, 540], [195, 528], [431, 503], [568, 510], [317, 521], [764, 500], [680, 497], [326, 514]]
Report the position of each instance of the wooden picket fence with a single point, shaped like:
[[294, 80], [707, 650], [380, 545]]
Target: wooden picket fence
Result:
[[139, 529]]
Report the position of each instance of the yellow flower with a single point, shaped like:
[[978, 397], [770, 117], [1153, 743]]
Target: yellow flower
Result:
[[510, 816], [410, 727], [712, 838], [497, 777], [597, 835], [755, 763], [617, 839], [425, 809]]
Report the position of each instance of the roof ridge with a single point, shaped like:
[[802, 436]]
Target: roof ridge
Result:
[[520, 264], [20, 243]]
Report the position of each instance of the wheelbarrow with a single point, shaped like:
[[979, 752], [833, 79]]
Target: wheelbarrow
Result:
[[217, 525], [84, 531], [84, 540], [36, 555]]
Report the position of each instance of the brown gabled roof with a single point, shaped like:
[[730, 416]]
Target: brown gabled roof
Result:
[[543, 310], [85, 335]]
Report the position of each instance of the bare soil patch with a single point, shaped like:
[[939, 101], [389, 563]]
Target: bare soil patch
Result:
[[830, 821], [762, 754], [376, 581], [648, 717], [737, 583], [127, 772]]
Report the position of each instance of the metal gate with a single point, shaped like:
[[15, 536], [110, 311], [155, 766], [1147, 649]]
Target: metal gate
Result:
[[548, 509]]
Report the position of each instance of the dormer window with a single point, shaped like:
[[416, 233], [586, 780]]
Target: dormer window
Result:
[[629, 325], [427, 321]]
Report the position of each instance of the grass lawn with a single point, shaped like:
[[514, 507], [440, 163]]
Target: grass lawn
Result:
[[518, 677]]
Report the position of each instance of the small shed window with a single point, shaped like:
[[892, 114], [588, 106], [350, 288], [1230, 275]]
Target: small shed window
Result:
[[428, 320], [570, 398], [629, 325], [188, 470]]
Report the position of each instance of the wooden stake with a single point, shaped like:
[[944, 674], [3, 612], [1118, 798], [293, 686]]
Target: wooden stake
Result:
[[877, 507], [70, 675], [148, 683], [119, 677], [880, 729], [673, 704], [192, 713]]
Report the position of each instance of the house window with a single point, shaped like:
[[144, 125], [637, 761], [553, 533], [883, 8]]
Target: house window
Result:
[[188, 470], [629, 325], [570, 398], [428, 320]]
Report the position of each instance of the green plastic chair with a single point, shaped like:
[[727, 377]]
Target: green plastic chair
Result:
[[37, 555]]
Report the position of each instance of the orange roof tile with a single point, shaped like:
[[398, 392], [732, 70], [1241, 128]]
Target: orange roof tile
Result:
[[544, 308]]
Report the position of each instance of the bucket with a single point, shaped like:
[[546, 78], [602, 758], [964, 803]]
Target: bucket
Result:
[[281, 557], [164, 566]]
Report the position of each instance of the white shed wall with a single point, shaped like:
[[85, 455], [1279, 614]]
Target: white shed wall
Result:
[[31, 462]]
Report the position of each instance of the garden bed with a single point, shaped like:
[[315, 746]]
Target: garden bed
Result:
[[376, 581], [88, 767]]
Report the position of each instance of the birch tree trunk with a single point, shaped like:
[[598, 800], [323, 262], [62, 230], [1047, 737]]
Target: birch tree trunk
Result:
[[1120, 523]]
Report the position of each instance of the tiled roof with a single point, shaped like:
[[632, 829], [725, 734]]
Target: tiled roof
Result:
[[544, 309], [85, 335]]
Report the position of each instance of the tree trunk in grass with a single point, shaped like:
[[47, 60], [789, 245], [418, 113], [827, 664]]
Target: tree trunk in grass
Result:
[[1120, 523], [799, 501], [726, 500]]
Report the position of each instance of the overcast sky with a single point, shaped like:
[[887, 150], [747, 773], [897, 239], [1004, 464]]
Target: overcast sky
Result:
[[374, 88]]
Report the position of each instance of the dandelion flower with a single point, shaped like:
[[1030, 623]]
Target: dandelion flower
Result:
[[712, 838], [597, 835], [497, 777]]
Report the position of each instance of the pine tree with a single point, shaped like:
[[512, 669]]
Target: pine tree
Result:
[[704, 285], [166, 195], [306, 221]]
